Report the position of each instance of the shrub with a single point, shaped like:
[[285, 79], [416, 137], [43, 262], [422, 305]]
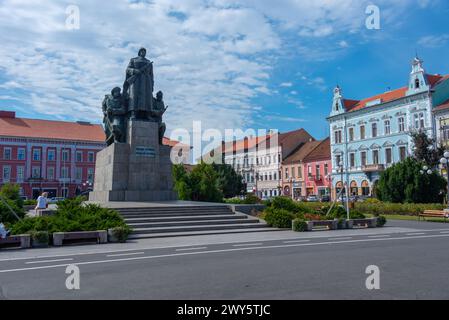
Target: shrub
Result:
[[121, 233], [278, 218], [381, 221], [40, 237], [290, 205], [71, 216], [396, 208], [299, 225], [30, 203], [336, 213]]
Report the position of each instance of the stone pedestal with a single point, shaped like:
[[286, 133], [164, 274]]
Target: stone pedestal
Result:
[[139, 170]]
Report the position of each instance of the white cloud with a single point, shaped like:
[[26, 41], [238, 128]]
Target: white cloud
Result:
[[286, 84], [212, 57], [434, 41]]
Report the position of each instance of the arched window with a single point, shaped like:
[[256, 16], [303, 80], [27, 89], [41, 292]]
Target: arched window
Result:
[[417, 84]]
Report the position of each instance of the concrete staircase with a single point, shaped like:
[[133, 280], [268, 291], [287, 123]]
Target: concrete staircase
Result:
[[172, 221]]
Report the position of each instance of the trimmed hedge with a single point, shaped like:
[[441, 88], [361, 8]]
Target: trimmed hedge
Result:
[[408, 209]]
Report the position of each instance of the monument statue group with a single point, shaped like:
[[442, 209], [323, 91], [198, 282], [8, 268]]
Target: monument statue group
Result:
[[135, 166]]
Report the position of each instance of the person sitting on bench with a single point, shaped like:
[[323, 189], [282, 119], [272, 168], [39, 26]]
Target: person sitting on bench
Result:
[[3, 232]]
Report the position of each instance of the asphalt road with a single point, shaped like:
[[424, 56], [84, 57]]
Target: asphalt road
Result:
[[413, 265]]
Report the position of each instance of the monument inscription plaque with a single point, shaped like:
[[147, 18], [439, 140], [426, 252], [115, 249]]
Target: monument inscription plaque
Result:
[[135, 166]]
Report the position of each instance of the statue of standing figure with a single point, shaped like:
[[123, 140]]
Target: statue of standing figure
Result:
[[139, 86], [136, 102], [114, 111]]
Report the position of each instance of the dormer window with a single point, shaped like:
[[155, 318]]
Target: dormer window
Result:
[[417, 84]]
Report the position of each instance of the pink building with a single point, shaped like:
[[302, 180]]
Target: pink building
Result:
[[317, 166]]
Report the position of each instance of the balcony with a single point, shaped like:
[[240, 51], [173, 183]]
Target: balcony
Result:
[[315, 178], [373, 168]]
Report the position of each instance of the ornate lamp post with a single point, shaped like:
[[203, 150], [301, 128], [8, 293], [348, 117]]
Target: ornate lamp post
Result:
[[445, 164], [344, 185]]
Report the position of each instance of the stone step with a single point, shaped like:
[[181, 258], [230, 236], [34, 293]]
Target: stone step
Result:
[[163, 209], [188, 224], [200, 233], [186, 218], [175, 214], [198, 228]]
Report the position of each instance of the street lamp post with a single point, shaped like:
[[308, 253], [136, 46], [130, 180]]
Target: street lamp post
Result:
[[344, 185], [445, 163]]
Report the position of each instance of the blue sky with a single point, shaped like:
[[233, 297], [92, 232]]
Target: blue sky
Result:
[[230, 64]]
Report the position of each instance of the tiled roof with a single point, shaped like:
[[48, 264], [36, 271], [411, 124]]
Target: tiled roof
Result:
[[354, 105], [10, 126], [300, 154], [441, 107], [45, 129], [321, 152]]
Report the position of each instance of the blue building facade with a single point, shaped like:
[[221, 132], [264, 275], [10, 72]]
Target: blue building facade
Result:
[[370, 135]]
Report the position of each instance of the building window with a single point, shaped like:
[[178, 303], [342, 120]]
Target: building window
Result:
[[64, 172], [362, 132], [309, 171], [36, 172], [401, 124], [79, 173], [293, 172], [318, 172], [388, 156], [326, 169], [363, 158], [374, 130], [419, 121], [91, 157], [36, 154], [51, 155], [337, 160], [6, 174], [402, 153], [21, 154], [7, 154], [300, 172], [351, 134], [20, 174], [352, 160], [387, 127], [286, 173], [65, 155], [275, 175], [51, 173], [338, 137], [376, 157], [417, 84]]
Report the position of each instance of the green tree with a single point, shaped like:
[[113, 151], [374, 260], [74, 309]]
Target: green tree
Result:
[[202, 184], [403, 183], [230, 183], [10, 198], [425, 150]]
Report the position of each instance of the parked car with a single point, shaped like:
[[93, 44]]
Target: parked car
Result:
[[55, 200], [312, 198], [325, 198]]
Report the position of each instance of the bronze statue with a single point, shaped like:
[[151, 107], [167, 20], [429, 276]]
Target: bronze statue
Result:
[[139, 86], [114, 111]]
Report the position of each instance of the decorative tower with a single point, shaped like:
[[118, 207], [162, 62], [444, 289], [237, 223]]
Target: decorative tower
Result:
[[337, 104], [417, 81]]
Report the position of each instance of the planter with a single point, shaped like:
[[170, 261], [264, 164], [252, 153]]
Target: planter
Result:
[[39, 239]]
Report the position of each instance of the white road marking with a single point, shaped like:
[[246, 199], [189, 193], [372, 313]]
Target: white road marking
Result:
[[191, 249], [415, 234], [220, 251], [48, 261], [340, 238], [125, 254], [247, 244], [380, 236], [297, 241], [444, 232]]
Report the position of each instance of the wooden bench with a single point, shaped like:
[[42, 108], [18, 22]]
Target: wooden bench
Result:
[[61, 238], [433, 214], [22, 241], [329, 224]]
